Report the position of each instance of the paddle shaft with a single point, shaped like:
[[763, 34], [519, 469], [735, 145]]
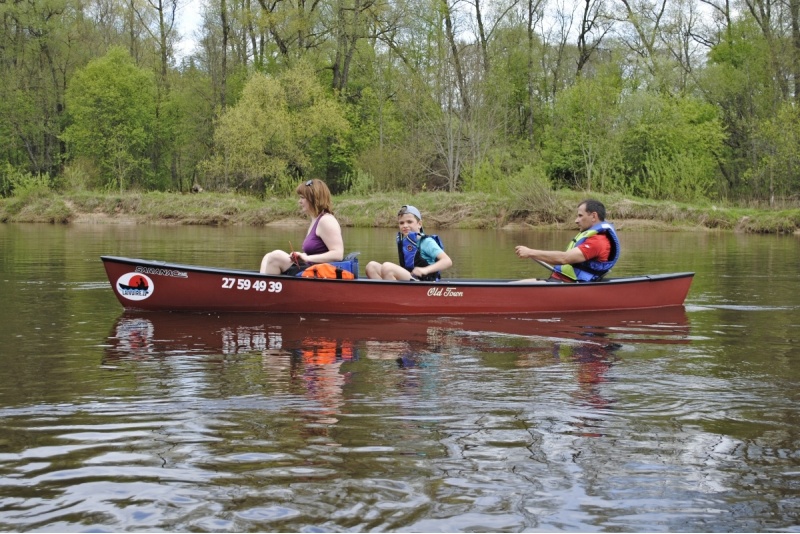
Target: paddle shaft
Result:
[[545, 265]]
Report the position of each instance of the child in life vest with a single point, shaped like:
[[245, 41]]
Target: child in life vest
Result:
[[421, 256]]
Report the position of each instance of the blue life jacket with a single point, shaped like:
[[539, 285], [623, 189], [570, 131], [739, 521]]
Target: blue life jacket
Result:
[[408, 250], [589, 271]]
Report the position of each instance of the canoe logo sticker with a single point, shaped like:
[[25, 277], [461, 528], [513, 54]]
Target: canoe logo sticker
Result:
[[444, 292], [135, 286], [162, 272]]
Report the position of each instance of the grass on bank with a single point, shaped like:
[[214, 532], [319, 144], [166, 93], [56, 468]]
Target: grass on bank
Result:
[[532, 208]]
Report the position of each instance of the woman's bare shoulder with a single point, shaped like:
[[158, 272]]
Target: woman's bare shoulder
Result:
[[329, 219]]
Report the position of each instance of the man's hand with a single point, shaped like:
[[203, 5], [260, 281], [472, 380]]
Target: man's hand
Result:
[[523, 252]]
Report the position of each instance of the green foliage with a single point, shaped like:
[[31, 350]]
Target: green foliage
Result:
[[80, 174], [531, 192], [485, 176], [740, 81], [375, 119], [111, 104], [31, 192], [776, 140], [671, 147], [20, 123], [360, 183], [642, 143], [24, 185], [41, 43], [280, 128], [500, 170], [581, 150], [371, 122], [396, 123], [522, 83], [671, 177], [392, 148], [283, 185], [187, 114], [742, 47], [6, 186], [393, 168]]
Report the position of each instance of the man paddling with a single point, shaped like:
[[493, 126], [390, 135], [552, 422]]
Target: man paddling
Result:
[[590, 255]]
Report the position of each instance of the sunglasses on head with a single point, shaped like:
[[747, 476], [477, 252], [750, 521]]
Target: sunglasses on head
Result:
[[310, 183]]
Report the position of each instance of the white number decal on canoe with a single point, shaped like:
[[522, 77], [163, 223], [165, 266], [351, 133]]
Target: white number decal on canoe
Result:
[[258, 285]]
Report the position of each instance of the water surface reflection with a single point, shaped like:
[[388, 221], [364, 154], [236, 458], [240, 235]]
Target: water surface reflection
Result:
[[427, 423], [318, 356], [135, 334]]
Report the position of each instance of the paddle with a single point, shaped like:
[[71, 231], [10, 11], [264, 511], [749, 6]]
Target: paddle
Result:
[[553, 269], [545, 265], [293, 255]]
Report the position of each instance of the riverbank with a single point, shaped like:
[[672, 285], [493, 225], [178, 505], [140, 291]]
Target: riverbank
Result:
[[440, 210]]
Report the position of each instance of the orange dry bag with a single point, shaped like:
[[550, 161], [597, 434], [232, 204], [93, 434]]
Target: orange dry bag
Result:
[[326, 270]]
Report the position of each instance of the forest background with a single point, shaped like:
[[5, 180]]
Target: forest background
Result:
[[688, 100]]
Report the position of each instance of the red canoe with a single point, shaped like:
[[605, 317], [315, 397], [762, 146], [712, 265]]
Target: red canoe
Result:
[[156, 285], [161, 286]]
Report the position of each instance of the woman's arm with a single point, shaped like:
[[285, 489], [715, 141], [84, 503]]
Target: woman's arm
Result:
[[330, 232]]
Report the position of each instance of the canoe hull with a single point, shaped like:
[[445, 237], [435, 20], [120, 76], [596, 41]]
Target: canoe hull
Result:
[[161, 286]]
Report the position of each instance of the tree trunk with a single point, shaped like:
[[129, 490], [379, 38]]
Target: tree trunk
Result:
[[451, 40], [223, 9], [795, 13], [482, 36]]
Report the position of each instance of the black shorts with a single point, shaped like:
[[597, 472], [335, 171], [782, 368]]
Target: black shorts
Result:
[[295, 269]]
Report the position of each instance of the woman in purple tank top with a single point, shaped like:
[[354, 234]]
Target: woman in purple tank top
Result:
[[323, 242]]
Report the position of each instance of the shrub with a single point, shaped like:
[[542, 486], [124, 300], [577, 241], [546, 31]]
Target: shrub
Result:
[[26, 186], [531, 192]]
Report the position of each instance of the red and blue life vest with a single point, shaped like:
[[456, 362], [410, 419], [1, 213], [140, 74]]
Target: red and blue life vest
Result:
[[591, 270]]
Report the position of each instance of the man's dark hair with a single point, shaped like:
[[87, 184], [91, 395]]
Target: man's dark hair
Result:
[[594, 206]]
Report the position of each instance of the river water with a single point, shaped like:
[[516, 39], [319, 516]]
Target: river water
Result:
[[673, 420]]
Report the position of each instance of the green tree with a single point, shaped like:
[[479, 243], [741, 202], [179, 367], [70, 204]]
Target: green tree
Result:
[[187, 116], [740, 82], [580, 149], [777, 141], [38, 50], [280, 130], [111, 104], [671, 146]]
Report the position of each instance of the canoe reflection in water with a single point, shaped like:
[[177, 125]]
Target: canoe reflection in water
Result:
[[321, 356]]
